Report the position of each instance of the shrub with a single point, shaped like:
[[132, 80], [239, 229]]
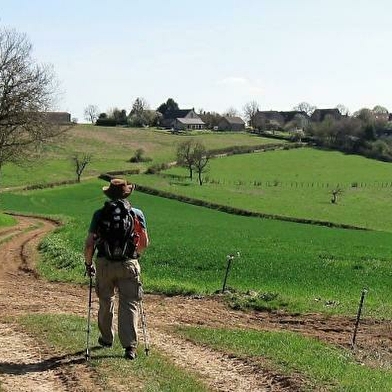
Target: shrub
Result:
[[158, 167], [106, 122], [139, 157]]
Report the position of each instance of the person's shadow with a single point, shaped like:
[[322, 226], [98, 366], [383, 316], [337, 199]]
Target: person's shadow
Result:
[[55, 362]]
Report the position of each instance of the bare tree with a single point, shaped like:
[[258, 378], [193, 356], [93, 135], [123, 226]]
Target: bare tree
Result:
[[80, 161], [27, 92], [185, 156], [344, 111], [305, 107], [231, 112], [200, 160], [335, 193], [91, 113], [250, 109]]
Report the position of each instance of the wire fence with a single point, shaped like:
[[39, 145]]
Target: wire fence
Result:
[[300, 184], [283, 184]]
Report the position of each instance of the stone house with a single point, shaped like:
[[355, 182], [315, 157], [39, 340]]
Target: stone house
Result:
[[227, 123], [58, 117], [319, 114], [273, 119], [185, 123], [182, 119]]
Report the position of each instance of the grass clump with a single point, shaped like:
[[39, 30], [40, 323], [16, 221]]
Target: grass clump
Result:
[[261, 301], [60, 261], [7, 220]]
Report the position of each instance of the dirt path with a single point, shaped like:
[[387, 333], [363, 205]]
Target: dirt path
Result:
[[25, 365]]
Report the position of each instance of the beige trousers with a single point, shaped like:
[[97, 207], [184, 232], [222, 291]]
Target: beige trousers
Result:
[[125, 277]]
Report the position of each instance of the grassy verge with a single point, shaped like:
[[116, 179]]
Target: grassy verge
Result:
[[324, 365], [7, 220], [66, 335], [299, 267]]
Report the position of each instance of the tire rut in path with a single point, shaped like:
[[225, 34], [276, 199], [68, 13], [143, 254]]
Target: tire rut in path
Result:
[[25, 365], [220, 371], [21, 358]]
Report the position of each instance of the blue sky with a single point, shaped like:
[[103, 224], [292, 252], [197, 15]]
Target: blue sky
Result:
[[211, 55]]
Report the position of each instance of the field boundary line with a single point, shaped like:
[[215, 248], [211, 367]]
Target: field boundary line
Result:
[[243, 212]]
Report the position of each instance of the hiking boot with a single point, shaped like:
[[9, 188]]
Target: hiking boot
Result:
[[104, 344], [130, 353]]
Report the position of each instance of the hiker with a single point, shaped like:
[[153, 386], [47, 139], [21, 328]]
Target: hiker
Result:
[[117, 265]]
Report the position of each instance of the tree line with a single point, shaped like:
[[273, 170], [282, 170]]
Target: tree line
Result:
[[367, 132], [141, 114]]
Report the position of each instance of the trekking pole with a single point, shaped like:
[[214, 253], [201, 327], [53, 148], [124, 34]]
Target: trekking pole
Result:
[[364, 291], [230, 258], [144, 328], [89, 320]]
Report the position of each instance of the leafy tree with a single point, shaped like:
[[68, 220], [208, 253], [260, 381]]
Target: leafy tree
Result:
[[169, 105], [120, 116], [211, 119], [139, 106], [140, 114], [104, 120], [91, 113], [27, 93], [378, 109], [366, 115]]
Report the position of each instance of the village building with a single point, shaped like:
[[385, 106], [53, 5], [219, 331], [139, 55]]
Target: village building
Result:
[[58, 117], [319, 114], [227, 123], [273, 119], [182, 119]]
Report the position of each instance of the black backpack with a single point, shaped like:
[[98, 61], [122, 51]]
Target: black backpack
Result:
[[116, 230]]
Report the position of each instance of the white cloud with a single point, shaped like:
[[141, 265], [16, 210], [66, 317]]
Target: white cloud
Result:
[[242, 85], [232, 81]]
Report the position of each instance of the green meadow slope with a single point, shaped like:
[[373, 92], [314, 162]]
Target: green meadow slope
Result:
[[295, 183], [111, 150], [294, 266], [299, 268], [290, 265]]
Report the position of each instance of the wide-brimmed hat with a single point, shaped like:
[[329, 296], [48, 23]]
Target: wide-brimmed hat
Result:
[[118, 189]]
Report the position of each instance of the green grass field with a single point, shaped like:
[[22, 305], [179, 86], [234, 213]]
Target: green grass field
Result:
[[54, 162], [296, 183], [306, 267], [282, 265]]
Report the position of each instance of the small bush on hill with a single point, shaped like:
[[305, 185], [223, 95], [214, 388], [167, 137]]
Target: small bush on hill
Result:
[[139, 157], [106, 122], [158, 167]]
